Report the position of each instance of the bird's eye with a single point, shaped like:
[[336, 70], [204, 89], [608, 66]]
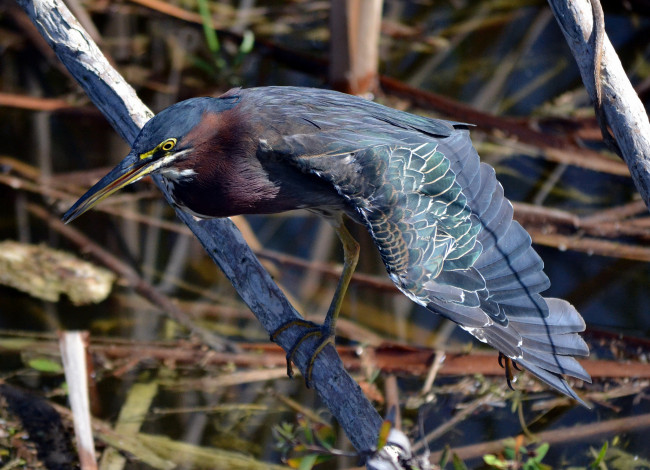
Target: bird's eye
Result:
[[168, 145]]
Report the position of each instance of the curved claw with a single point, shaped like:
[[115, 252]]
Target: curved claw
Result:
[[326, 338], [312, 329], [501, 357], [506, 363]]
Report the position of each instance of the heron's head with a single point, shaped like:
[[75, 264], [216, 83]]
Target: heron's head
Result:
[[165, 145]]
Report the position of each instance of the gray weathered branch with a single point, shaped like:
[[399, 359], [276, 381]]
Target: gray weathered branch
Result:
[[625, 113], [223, 242]]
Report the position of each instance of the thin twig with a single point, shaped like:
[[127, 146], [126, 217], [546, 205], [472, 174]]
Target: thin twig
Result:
[[563, 436], [390, 358]]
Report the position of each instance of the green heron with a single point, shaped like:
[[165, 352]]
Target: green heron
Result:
[[436, 213]]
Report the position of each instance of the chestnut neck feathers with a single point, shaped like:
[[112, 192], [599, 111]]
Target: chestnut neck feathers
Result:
[[227, 171]]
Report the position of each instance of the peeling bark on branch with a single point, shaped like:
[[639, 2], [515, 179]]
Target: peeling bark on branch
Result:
[[625, 113]]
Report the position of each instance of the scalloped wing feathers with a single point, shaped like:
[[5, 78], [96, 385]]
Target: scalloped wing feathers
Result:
[[442, 226]]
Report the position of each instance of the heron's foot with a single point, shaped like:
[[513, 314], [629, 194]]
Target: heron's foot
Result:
[[508, 365], [325, 334]]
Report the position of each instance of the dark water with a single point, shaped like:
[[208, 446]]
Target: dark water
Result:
[[502, 57]]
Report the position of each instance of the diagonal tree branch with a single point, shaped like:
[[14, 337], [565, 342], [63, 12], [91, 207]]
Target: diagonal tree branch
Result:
[[623, 109], [117, 100]]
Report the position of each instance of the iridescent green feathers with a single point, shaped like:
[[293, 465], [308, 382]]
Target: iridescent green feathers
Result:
[[438, 217], [420, 218]]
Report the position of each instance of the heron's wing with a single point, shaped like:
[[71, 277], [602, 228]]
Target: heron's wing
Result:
[[445, 233]]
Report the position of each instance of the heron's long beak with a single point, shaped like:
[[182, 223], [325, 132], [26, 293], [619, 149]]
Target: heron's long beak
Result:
[[128, 171]]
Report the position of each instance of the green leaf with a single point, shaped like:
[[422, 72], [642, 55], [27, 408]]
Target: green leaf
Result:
[[444, 458], [601, 455], [309, 435], [384, 430], [458, 463], [284, 432], [509, 452], [326, 436], [541, 452], [247, 43], [45, 365], [306, 462], [494, 461], [208, 27]]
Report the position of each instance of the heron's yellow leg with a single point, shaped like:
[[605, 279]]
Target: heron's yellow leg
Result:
[[350, 259], [328, 329]]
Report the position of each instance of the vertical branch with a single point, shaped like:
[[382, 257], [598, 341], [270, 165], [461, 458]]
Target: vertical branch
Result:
[[621, 106], [354, 45]]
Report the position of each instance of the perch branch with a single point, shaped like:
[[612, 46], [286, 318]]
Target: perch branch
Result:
[[620, 104]]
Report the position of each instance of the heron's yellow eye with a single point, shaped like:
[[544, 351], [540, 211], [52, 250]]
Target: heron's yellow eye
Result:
[[164, 146], [168, 145]]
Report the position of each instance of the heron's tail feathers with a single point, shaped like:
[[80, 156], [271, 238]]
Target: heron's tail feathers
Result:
[[540, 334], [547, 345]]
